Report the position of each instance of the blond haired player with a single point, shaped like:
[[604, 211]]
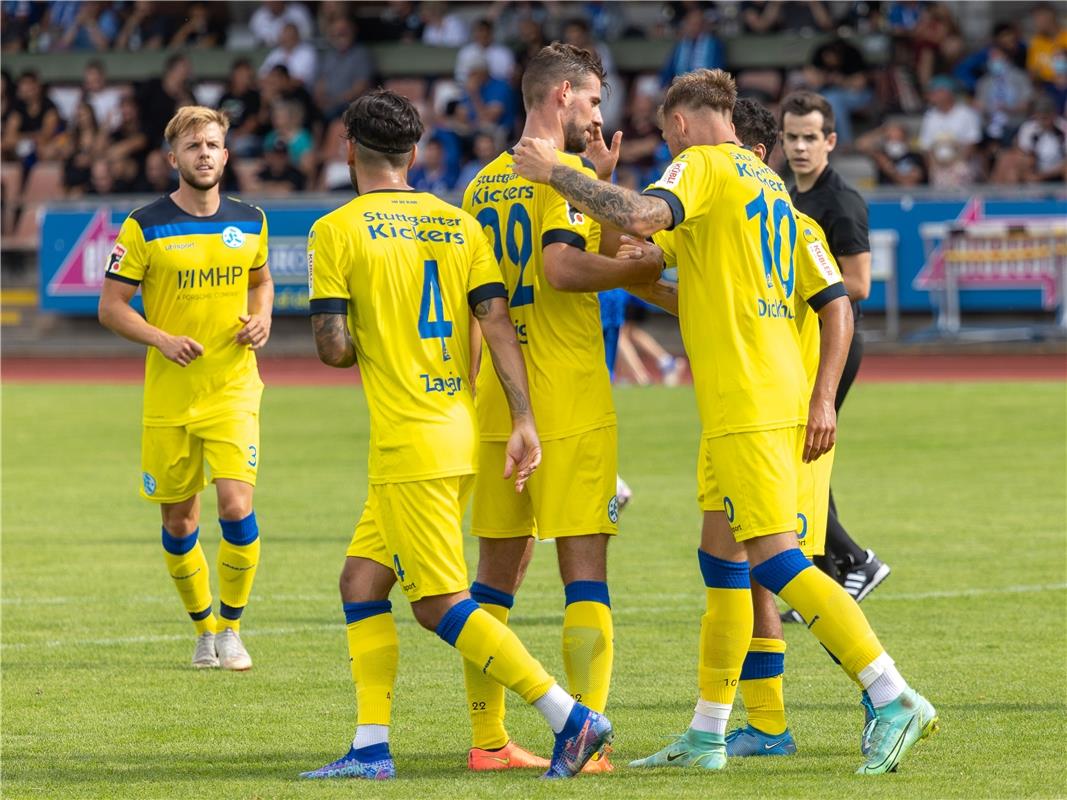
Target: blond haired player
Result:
[[735, 237], [200, 261]]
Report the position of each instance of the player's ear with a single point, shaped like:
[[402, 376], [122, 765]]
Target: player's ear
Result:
[[172, 159], [414, 156], [564, 92], [760, 152], [351, 153], [831, 141]]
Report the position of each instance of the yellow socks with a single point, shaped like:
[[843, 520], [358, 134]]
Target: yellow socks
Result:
[[188, 568], [761, 685], [494, 650], [588, 648], [725, 633], [238, 559], [374, 653], [485, 697]]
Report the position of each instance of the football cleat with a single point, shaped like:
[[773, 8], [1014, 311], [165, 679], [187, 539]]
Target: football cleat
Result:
[[510, 756], [623, 493], [674, 372], [599, 762], [231, 651], [204, 656], [749, 741], [373, 763], [860, 580], [792, 615], [897, 727], [869, 719], [691, 749], [585, 733]]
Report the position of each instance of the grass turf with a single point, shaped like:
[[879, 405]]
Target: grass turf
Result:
[[960, 487]]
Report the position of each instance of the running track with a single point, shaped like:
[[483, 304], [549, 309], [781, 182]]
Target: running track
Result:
[[288, 371]]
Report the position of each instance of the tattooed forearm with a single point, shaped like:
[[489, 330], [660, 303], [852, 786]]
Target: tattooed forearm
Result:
[[499, 333], [481, 310], [518, 399], [332, 340], [623, 208]]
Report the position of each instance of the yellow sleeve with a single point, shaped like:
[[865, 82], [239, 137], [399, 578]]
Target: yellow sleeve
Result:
[[484, 280], [261, 252], [665, 241], [327, 277], [563, 223], [128, 260], [688, 185], [818, 279]]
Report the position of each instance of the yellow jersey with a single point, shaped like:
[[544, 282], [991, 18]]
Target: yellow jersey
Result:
[[818, 282], [405, 267], [734, 236], [193, 273], [560, 332]]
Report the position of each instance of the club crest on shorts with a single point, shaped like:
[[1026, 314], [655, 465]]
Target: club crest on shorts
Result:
[[232, 236], [118, 252], [613, 508], [149, 484]]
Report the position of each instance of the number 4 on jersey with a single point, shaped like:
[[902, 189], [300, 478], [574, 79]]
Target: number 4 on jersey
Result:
[[439, 327]]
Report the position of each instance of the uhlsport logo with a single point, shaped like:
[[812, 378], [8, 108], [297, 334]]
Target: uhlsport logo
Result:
[[613, 509], [802, 527], [232, 236], [149, 484]]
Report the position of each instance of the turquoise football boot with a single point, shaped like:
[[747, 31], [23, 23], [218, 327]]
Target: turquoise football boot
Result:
[[691, 749], [870, 716], [749, 741], [898, 726]]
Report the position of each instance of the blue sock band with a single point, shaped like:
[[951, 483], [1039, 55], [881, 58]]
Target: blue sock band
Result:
[[719, 574], [373, 752], [762, 665], [590, 591], [230, 612], [776, 572], [455, 618], [179, 547], [354, 612], [487, 595], [196, 616], [240, 532]]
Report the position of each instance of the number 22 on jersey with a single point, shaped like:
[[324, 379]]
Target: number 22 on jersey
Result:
[[518, 252]]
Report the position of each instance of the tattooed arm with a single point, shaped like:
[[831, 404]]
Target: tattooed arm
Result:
[[332, 340], [524, 447]]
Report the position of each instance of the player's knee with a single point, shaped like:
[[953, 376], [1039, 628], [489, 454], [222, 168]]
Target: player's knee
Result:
[[180, 524], [234, 507], [425, 615]]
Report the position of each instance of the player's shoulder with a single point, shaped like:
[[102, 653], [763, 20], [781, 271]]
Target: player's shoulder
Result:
[[159, 212], [233, 209], [809, 227], [577, 161]]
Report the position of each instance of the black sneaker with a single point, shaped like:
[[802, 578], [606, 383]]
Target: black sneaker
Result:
[[860, 579]]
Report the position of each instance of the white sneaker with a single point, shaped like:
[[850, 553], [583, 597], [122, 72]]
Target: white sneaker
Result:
[[204, 656], [231, 651], [623, 493]]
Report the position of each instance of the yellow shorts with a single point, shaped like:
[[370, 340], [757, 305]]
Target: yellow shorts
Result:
[[813, 504], [415, 529], [753, 478], [172, 459], [572, 493]]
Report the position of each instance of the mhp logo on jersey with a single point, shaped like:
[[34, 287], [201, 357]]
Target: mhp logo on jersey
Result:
[[149, 484], [232, 236], [118, 252], [574, 216]]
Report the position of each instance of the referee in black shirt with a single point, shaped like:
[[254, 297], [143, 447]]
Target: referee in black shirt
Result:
[[808, 137]]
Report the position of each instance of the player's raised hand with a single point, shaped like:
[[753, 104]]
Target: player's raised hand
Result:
[[523, 451], [255, 330], [182, 350], [604, 158], [822, 429], [535, 158]]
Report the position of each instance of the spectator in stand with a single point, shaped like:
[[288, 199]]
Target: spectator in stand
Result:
[[241, 104], [345, 70], [159, 98], [94, 27], [128, 145], [1056, 89], [295, 55], [579, 33], [531, 38], [937, 42], [278, 176], [19, 23], [482, 48], [287, 120], [455, 133], [898, 164], [329, 12], [486, 148], [697, 48], [488, 101], [1002, 97], [7, 100], [791, 17], [101, 181], [508, 18], [205, 26], [1007, 39], [146, 28], [103, 98], [432, 173], [903, 17], [277, 85], [33, 120], [159, 178], [839, 73], [641, 139], [84, 145], [1049, 37], [1040, 154], [271, 18], [400, 22], [442, 28], [950, 131]]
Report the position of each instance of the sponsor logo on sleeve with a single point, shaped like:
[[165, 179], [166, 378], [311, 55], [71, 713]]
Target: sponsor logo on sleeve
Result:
[[672, 176], [575, 216], [114, 260], [823, 262], [311, 272]]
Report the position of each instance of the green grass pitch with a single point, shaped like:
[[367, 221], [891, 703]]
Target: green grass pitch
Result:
[[960, 487]]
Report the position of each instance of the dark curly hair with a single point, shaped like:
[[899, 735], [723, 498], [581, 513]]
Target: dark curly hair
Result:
[[383, 124], [755, 124]]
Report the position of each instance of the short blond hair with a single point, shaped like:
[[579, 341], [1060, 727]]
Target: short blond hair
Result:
[[702, 88], [193, 118]]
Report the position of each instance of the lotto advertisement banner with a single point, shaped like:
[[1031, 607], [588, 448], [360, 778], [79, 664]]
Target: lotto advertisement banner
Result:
[[76, 241]]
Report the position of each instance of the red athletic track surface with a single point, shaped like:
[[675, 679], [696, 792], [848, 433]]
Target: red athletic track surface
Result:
[[282, 371]]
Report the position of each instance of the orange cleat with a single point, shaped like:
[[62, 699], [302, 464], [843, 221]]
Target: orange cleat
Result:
[[599, 762], [510, 756]]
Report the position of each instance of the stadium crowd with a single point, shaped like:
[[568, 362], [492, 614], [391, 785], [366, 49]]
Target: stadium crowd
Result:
[[938, 109]]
